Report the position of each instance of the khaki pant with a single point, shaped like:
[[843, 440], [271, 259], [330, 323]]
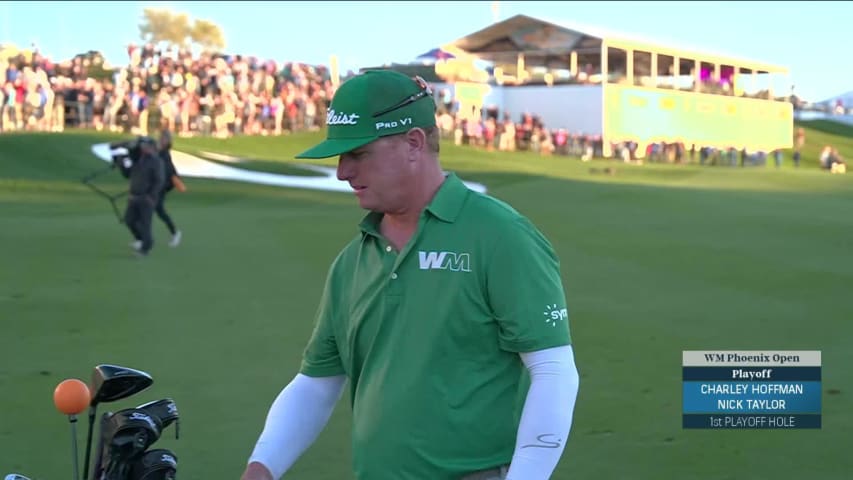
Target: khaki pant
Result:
[[498, 473], [143, 122]]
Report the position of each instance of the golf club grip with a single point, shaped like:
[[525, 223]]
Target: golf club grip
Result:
[[89, 443]]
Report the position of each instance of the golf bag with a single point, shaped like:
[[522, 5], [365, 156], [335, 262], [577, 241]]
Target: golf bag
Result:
[[126, 435]]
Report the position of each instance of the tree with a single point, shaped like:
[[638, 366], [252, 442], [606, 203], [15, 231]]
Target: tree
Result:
[[95, 65], [207, 35], [164, 26], [161, 26]]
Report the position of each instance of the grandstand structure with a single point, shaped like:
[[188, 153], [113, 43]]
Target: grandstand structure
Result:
[[621, 89]]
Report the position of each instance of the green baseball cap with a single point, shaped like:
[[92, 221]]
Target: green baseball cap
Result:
[[371, 105]]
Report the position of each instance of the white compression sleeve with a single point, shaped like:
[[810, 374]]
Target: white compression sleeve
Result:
[[547, 416], [295, 420]]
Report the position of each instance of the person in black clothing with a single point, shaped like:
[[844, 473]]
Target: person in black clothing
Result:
[[146, 173], [164, 146]]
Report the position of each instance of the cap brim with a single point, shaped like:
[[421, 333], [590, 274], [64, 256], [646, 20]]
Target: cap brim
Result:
[[334, 147]]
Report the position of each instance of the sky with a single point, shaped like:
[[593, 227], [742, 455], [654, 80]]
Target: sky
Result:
[[811, 38]]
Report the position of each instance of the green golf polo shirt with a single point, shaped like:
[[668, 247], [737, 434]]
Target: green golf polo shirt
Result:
[[429, 337]]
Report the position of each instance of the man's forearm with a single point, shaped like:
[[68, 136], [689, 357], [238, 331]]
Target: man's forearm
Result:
[[295, 419], [547, 415]]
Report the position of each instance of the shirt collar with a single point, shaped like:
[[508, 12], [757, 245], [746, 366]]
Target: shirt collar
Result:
[[448, 201], [445, 205]]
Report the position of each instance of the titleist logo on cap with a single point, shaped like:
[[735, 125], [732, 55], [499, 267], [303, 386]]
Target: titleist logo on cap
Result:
[[335, 118]]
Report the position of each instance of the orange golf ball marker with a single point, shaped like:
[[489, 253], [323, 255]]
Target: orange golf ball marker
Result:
[[71, 396]]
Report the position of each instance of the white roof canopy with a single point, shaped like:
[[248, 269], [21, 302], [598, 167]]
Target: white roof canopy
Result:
[[545, 43]]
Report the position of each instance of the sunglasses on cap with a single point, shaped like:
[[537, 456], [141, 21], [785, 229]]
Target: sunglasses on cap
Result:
[[425, 91]]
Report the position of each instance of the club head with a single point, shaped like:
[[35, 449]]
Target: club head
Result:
[[112, 382], [15, 476]]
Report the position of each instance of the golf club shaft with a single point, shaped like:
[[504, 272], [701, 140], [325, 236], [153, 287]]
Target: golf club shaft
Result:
[[89, 442], [96, 173], [76, 466]]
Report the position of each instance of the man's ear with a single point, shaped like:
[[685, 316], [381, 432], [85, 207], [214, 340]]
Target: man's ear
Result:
[[416, 140]]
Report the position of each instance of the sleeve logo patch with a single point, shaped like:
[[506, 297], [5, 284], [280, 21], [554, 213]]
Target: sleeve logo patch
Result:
[[553, 314]]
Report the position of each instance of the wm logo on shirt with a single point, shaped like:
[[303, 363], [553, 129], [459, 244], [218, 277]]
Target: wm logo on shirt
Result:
[[455, 262]]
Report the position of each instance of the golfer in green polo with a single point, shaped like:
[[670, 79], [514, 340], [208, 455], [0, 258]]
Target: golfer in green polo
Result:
[[446, 313]]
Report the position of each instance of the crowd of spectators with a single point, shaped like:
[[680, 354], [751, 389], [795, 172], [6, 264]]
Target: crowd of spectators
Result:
[[227, 95], [218, 95], [495, 131]]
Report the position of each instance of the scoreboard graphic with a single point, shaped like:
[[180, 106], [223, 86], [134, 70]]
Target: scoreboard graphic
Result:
[[751, 389]]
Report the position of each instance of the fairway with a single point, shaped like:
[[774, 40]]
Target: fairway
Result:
[[656, 259]]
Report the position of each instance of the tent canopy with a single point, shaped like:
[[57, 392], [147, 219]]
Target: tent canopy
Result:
[[541, 42], [550, 44]]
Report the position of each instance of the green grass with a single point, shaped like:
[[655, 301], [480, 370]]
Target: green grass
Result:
[[656, 260]]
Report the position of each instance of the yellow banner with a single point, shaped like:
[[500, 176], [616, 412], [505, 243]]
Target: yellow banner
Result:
[[648, 115], [470, 97]]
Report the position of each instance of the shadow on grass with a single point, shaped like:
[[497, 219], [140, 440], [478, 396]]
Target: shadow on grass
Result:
[[828, 126], [67, 157]]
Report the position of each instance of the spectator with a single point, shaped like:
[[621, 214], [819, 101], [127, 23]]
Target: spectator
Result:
[[799, 142], [831, 160], [171, 180], [837, 163]]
